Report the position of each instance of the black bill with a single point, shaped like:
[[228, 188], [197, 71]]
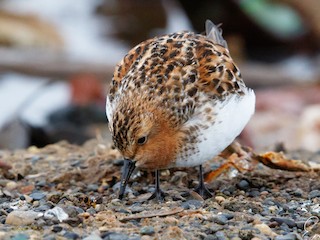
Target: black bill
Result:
[[128, 168]]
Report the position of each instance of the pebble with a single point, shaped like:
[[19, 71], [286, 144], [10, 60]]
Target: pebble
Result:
[[11, 185], [92, 187], [220, 236], [57, 212], [147, 230], [220, 219], [20, 236], [243, 184], [265, 229], [273, 209], [287, 221], [314, 194], [41, 183], [290, 236], [114, 236], [228, 215], [19, 218], [210, 237], [49, 237], [91, 210], [220, 199], [2, 235], [73, 211], [171, 220], [36, 196], [136, 209], [36, 203], [57, 228], [191, 204], [92, 236], [297, 192], [43, 207], [146, 237], [315, 210], [253, 193], [26, 198], [71, 235], [246, 233]]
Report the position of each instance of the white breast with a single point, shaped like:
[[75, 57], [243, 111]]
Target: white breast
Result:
[[231, 117]]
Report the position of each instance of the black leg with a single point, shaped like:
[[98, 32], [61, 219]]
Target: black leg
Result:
[[201, 188], [158, 193]]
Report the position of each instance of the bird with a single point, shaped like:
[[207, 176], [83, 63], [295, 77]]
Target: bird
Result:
[[176, 100]]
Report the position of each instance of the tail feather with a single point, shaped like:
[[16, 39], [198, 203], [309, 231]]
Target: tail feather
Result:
[[214, 33]]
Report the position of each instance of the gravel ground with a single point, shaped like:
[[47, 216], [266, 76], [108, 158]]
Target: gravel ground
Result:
[[65, 191]]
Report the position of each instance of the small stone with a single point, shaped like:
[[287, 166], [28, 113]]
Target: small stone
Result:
[[315, 210], [146, 237], [287, 221], [43, 207], [220, 199], [99, 207], [11, 185], [265, 229], [57, 212], [56, 228], [33, 149], [147, 230], [301, 224], [20, 236], [71, 235], [243, 184], [246, 234], [210, 237], [27, 189], [220, 236], [253, 193], [92, 187], [73, 211], [36, 196], [192, 204], [228, 215], [36, 203], [91, 210], [220, 219], [136, 237], [19, 218], [290, 236], [2, 235], [297, 192], [49, 237], [92, 236], [273, 209], [171, 221], [114, 236], [41, 183], [314, 194], [136, 209]]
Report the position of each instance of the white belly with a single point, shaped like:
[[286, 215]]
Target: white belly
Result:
[[230, 120]]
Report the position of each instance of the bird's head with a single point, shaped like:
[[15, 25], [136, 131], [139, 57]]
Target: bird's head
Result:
[[145, 138]]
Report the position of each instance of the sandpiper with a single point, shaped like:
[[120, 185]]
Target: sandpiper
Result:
[[176, 100]]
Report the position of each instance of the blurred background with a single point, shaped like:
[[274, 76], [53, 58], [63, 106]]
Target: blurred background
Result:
[[57, 58]]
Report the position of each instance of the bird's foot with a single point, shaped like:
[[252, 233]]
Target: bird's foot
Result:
[[203, 191], [158, 194]]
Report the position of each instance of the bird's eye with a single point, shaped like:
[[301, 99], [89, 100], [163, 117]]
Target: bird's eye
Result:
[[142, 140]]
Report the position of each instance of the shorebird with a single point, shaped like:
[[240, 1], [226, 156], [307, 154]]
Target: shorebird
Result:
[[176, 100]]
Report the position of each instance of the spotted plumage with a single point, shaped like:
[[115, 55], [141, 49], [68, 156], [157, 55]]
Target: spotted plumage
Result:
[[184, 94]]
